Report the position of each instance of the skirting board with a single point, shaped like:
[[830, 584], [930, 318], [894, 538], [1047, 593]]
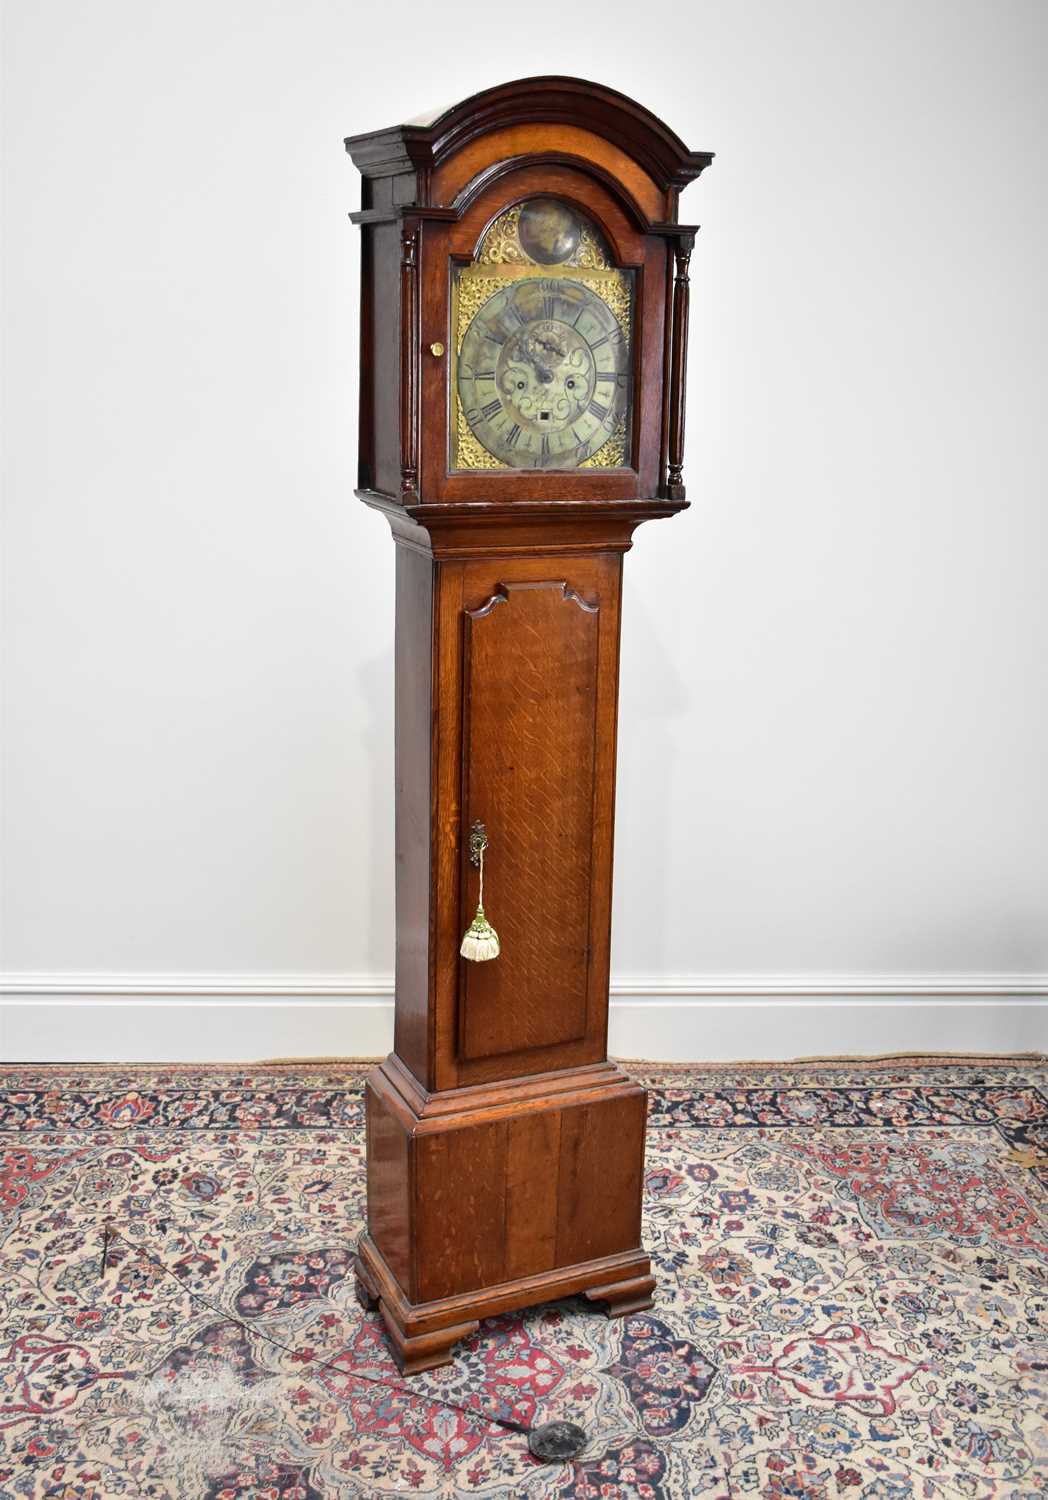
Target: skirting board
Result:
[[715, 1018]]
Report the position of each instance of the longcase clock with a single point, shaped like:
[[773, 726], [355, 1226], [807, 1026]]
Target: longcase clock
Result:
[[524, 319]]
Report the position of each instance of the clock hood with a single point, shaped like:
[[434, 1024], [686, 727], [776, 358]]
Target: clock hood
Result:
[[425, 143]]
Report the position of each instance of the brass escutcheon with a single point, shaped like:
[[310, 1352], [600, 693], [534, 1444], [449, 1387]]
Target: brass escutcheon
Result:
[[478, 840]]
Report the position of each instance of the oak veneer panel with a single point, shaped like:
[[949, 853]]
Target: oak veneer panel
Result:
[[460, 1196], [531, 686], [412, 756], [596, 580], [600, 1173], [532, 1149], [389, 1191], [520, 140]]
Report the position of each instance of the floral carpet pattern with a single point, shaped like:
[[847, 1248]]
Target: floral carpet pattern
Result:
[[852, 1301]]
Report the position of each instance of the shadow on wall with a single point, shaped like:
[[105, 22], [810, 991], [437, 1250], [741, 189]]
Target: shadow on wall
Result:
[[375, 677], [658, 693]]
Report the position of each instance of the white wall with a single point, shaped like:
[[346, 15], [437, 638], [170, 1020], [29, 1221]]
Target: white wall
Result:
[[834, 717]]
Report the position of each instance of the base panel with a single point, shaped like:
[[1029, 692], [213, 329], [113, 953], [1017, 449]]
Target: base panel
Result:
[[484, 1200], [423, 1335]]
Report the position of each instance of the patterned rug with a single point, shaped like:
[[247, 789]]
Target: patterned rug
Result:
[[853, 1290]]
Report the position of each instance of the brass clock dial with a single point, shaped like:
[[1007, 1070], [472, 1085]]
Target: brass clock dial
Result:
[[543, 373], [542, 326]]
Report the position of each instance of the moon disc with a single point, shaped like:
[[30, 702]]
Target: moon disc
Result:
[[549, 231]]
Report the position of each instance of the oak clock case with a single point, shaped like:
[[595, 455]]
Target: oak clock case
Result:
[[524, 315]]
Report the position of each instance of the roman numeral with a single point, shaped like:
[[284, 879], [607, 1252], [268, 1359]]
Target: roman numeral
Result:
[[512, 435], [490, 375], [492, 409], [515, 310], [601, 375], [599, 342], [496, 337], [577, 435], [545, 445], [549, 305], [600, 412]]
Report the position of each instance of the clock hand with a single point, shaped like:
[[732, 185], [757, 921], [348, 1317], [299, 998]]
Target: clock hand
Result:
[[542, 352]]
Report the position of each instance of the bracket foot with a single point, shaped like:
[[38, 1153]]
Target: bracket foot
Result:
[[624, 1297]]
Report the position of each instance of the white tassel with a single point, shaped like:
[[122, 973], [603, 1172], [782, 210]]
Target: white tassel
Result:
[[481, 941]]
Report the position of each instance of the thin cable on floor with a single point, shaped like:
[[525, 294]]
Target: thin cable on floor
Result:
[[110, 1232]]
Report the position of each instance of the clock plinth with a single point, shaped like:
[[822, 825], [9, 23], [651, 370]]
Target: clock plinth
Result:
[[522, 390], [495, 1197]]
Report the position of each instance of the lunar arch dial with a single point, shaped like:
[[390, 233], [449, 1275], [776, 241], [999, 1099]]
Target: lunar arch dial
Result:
[[544, 373]]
